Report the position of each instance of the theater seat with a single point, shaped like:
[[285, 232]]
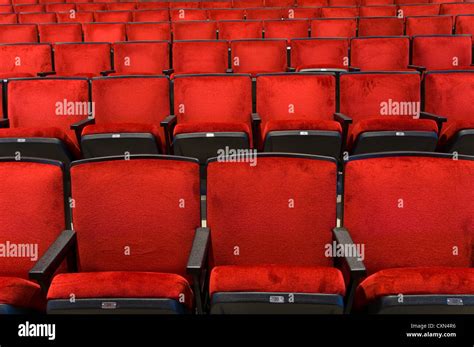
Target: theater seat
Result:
[[82, 59], [324, 54], [334, 27], [24, 60], [18, 295], [141, 58], [200, 56], [259, 56], [380, 53]]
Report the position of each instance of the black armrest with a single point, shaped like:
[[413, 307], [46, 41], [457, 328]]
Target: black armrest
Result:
[[168, 124], [352, 266], [107, 72], [417, 67], [353, 69], [345, 122], [229, 71], [256, 121], [46, 73], [342, 118], [46, 266], [78, 126], [4, 123], [291, 69], [438, 119], [168, 72], [197, 264]]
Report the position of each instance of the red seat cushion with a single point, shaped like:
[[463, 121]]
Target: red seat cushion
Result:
[[21, 293], [453, 128], [417, 280], [15, 75], [50, 132], [212, 127], [121, 284], [391, 123], [304, 124], [276, 278]]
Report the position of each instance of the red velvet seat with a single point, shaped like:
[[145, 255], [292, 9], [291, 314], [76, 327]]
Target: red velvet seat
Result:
[[465, 25], [62, 32], [8, 18], [36, 18], [194, 30], [104, 32], [334, 27], [236, 30], [258, 56], [113, 16], [90, 7], [302, 12], [146, 58], [436, 25], [23, 60], [121, 6], [150, 16], [339, 12], [82, 59], [18, 33], [456, 9], [152, 5], [263, 13], [21, 293], [286, 29], [381, 26], [418, 10], [75, 17], [378, 11], [247, 3], [200, 57], [320, 54], [148, 31], [226, 14], [183, 14]]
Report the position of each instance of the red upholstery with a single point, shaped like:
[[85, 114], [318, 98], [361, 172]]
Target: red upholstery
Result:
[[276, 278], [36, 18], [418, 10], [187, 14], [312, 3], [153, 5], [264, 13], [404, 208], [21, 293], [377, 11], [381, 26], [52, 33], [236, 30], [149, 207], [75, 17], [380, 54], [29, 8], [286, 29], [104, 32], [8, 18], [442, 52], [25, 59], [200, 57], [42, 101], [247, 3], [224, 14], [121, 285], [216, 4], [141, 57], [184, 4], [456, 9], [289, 201], [439, 25], [340, 3], [18, 33], [82, 59], [121, 6], [258, 56], [92, 7], [150, 16], [148, 31], [413, 281], [339, 12], [342, 27], [300, 12], [320, 53], [279, 3], [113, 16], [194, 30], [465, 25]]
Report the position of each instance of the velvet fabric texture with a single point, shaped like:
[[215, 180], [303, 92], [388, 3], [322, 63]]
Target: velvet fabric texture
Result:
[[216, 4], [135, 215], [248, 3], [286, 29], [420, 10], [264, 13], [36, 18], [378, 11], [21, 293], [139, 100], [113, 17], [236, 30], [38, 109], [319, 53], [342, 27], [276, 278], [436, 25], [279, 3], [51, 33], [25, 59], [280, 211], [415, 281], [406, 219], [155, 5], [442, 52], [120, 6], [104, 32], [32, 214], [194, 57], [187, 14], [194, 30], [299, 12], [339, 12], [88, 7], [33, 8], [82, 59], [59, 7], [151, 16], [455, 9], [184, 4], [15, 33], [380, 54], [224, 14], [313, 3], [80, 17], [148, 31], [465, 25], [135, 58], [450, 95], [8, 18], [121, 284], [258, 56], [213, 99], [381, 27]]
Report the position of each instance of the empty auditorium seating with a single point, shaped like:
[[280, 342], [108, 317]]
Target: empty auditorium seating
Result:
[[377, 11], [286, 29], [82, 59], [439, 25], [91, 7], [402, 211], [33, 189], [61, 32], [386, 113], [104, 32], [59, 7], [152, 5], [455, 9], [339, 27], [297, 113], [187, 14], [18, 33], [212, 112], [36, 18], [450, 94], [120, 6], [264, 13], [112, 16], [279, 197], [418, 10], [258, 56], [442, 52], [43, 119], [380, 53], [200, 57], [322, 53], [465, 25], [148, 31], [146, 58], [111, 196], [226, 14], [301, 12], [339, 12], [128, 111], [216, 4], [75, 17], [33, 8], [279, 3], [24, 60], [236, 30], [150, 16], [8, 18], [184, 4], [195, 30], [247, 3], [381, 26]]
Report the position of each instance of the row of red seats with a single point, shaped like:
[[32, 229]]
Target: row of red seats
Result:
[[271, 227], [303, 113], [234, 30], [239, 56]]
